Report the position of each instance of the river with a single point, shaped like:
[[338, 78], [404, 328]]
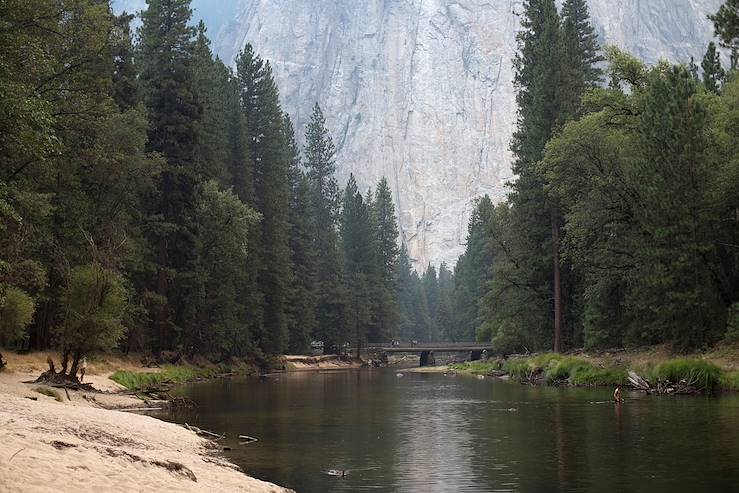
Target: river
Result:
[[437, 433]]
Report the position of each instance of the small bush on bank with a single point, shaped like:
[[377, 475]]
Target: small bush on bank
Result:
[[544, 361], [594, 376], [730, 380], [518, 369], [699, 374], [576, 371], [170, 374], [479, 367]]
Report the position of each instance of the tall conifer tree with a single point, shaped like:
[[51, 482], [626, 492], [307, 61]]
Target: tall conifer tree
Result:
[[386, 241], [166, 50], [302, 304], [538, 79], [269, 150], [713, 72], [357, 247], [319, 160]]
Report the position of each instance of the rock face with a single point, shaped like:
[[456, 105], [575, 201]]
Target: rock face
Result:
[[421, 91]]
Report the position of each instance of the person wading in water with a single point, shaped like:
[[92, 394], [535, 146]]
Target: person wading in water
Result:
[[617, 394]]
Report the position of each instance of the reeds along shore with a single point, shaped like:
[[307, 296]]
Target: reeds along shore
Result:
[[678, 375]]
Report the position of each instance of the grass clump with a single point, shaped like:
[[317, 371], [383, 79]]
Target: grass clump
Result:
[[543, 361], [170, 374], [699, 374], [478, 367], [594, 376], [518, 369], [730, 380], [51, 393]]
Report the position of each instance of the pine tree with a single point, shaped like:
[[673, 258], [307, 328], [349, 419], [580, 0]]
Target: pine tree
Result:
[[357, 248], [384, 242], [430, 286], [319, 160], [211, 80], [580, 56], [538, 78], [165, 50], [406, 295], [473, 272], [223, 223], [125, 85], [726, 23], [713, 73], [671, 182], [302, 303], [443, 316], [240, 174], [376, 331], [269, 150]]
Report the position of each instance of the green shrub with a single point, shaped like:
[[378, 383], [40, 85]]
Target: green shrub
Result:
[[518, 369], [730, 380], [93, 306], [507, 339], [544, 360], [479, 367], [594, 376], [576, 371], [16, 312], [696, 373]]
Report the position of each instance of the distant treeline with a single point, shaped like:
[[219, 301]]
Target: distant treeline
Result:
[[154, 199], [622, 227]]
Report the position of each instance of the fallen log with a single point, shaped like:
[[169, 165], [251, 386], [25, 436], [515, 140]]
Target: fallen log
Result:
[[248, 439], [638, 382], [204, 433]]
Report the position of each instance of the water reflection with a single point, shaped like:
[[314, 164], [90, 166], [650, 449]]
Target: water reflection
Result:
[[429, 433]]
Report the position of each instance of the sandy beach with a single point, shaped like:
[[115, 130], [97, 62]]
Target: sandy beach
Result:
[[79, 444]]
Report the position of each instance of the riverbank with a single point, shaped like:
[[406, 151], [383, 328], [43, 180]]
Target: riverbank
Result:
[[653, 369], [323, 362], [66, 440]]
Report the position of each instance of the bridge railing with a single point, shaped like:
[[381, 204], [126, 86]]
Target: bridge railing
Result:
[[404, 345]]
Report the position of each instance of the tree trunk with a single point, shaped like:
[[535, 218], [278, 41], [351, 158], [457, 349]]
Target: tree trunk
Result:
[[75, 365], [65, 361], [160, 313], [557, 282]]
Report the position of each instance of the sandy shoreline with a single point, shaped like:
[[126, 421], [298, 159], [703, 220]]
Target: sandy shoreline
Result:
[[426, 369], [79, 444], [319, 363]]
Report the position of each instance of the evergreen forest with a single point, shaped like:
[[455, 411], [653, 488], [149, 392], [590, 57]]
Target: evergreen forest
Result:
[[155, 199]]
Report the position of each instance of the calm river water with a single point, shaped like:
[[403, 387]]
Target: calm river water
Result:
[[436, 433]]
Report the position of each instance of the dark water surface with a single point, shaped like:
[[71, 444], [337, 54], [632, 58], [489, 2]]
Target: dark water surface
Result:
[[436, 433]]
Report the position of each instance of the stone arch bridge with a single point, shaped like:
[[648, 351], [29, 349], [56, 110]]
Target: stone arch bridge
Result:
[[427, 350]]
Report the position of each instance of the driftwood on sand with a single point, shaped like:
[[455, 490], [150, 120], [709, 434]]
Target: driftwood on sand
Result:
[[638, 382], [204, 433], [662, 387]]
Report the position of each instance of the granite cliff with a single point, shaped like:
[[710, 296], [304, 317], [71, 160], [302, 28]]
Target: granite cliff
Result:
[[421, 91]]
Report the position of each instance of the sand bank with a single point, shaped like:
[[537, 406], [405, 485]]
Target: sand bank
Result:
[[78, 445], [324, 362], [426, 369]]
